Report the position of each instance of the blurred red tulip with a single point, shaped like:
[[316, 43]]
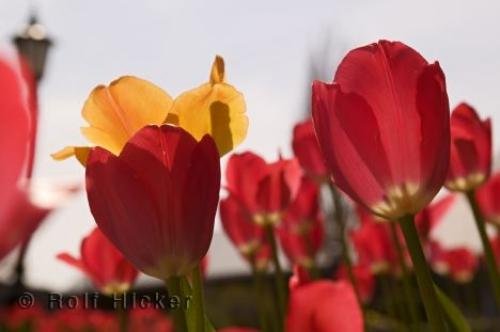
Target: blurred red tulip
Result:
[[459, 263], [488, 198], [365, 280], [21, 209], [323, 306], [14, 131], [301, 233], [383, 127], [276, 190], [306, 149], [247, 236], [264, 189], [372, 241], [157, 200], [78, 319], [470, 156], [149, 320], [109, 271], [16, 318], [14, 144], [427, 219]]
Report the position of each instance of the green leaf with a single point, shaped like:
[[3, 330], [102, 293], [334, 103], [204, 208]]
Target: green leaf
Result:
[[453, 314]]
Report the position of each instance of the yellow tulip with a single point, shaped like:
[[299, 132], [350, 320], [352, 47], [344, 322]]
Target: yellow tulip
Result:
[[116, 112]]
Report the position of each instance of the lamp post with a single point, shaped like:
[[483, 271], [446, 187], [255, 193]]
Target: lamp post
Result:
[[32, 45]]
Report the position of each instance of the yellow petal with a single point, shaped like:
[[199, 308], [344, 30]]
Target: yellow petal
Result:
[[80, 152], [215, 108], [217, 75], [117, 112]]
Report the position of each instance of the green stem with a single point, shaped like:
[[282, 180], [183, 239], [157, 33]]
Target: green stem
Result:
[[198, 299], [407, 288], [387, 298], [278, 274], [121, 314], [313, 268], [338, 217], [174, 289], [491, 264], [423, 273], [261, 301]]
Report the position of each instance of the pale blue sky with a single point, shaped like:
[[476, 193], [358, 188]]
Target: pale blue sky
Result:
[[266, 45]]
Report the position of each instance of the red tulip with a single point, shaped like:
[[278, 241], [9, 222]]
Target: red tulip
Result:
[[301, 233], [432, 214], [488, 198], [306, 149], [276, 190], [110, 272], [364, 278], [149, 320], [459, 263], [470, 157], [21, 209], [156, 201], [247, 236], [383, 127], [373, 244], [264, 189], [323, 306]]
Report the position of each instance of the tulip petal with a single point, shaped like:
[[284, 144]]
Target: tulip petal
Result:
[[80, 152], [215, 108], [306, 149], [238, 224], [324, 306], [119, 200], [357, 158], [243, 173], [115, 113], [14, 131], [71, 260], [433, 108]]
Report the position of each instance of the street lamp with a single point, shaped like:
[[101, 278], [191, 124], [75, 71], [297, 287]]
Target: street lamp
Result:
[[33, 44]]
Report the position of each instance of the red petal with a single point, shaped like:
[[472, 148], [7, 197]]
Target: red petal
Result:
[[432, 105], [352, 147], [14, 133], [103, 262], [306, 149], [324, 306], [488, 197], [243, 173]]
